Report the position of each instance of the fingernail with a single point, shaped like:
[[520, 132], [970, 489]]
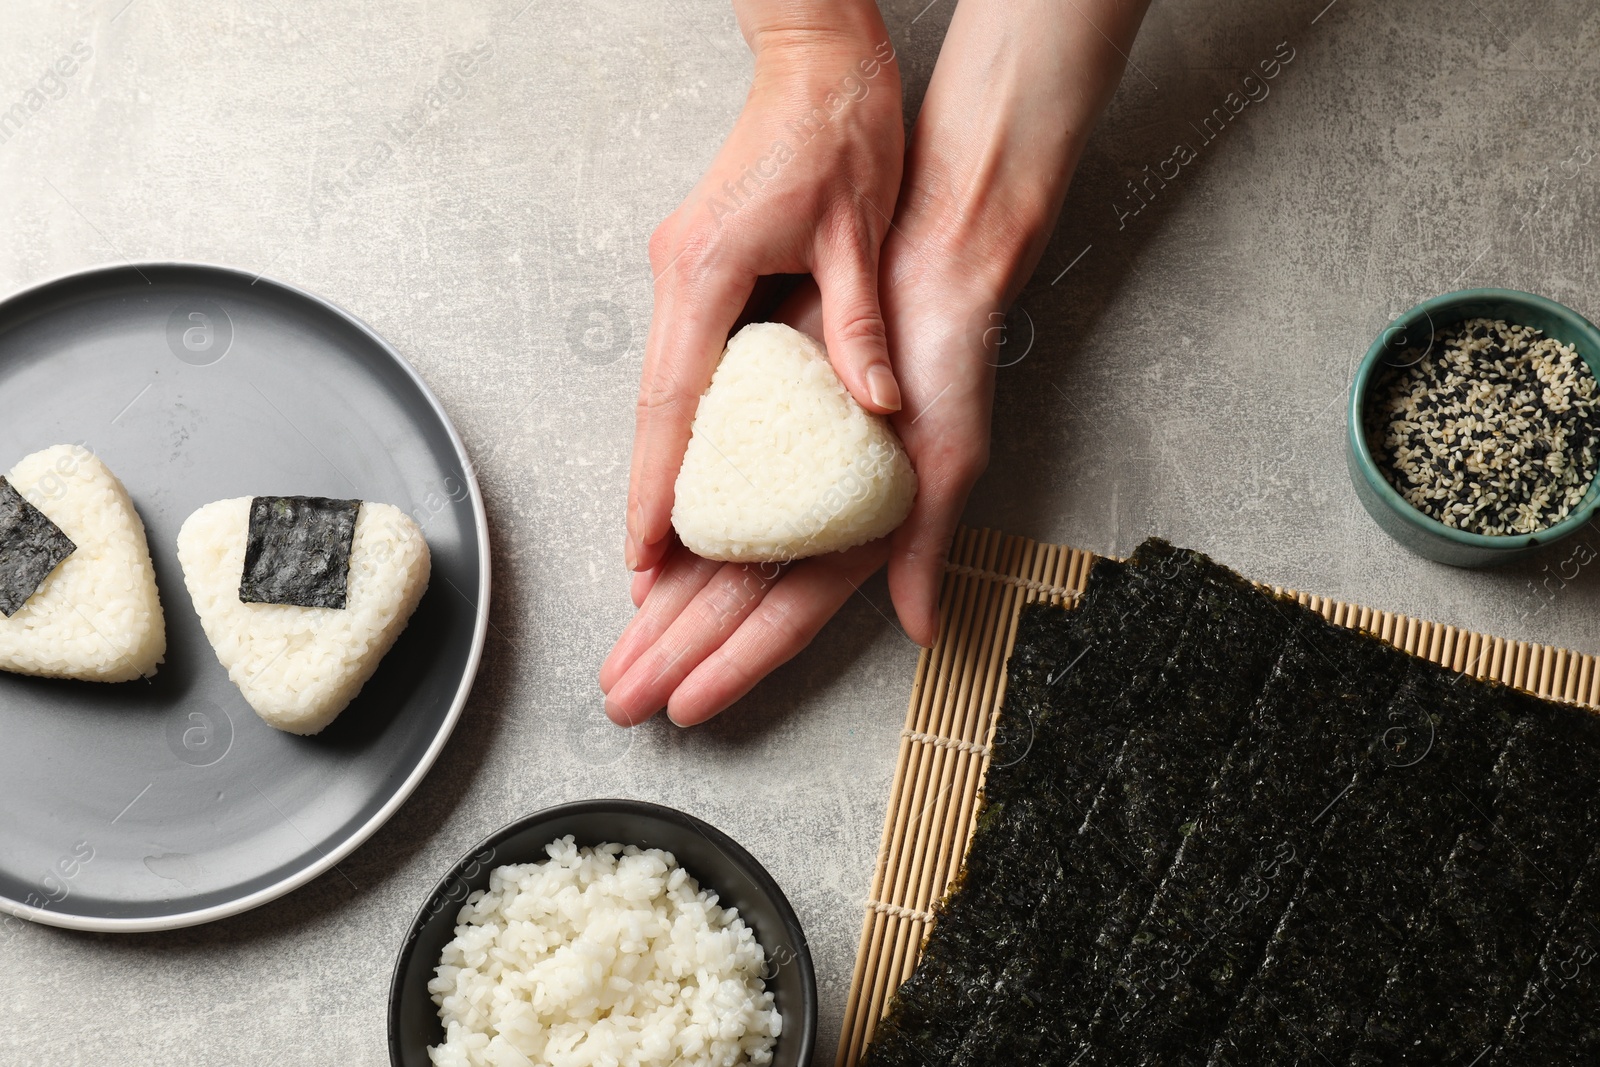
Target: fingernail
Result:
[[630, 553], [635, 519], [882, 387]]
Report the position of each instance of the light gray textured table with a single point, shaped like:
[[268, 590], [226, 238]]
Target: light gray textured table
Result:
[[1186, 378]]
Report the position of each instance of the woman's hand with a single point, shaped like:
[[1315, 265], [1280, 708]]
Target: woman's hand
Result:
[[1018, 86], [707, 632], [805, 184]]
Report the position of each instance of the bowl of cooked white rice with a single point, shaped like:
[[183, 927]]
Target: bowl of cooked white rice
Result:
[[606, 932]]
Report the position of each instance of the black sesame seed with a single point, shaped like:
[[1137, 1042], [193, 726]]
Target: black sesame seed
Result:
[[1494, 429]]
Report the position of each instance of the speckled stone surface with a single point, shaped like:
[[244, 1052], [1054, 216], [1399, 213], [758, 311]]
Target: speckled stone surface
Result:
[[1186, 378]]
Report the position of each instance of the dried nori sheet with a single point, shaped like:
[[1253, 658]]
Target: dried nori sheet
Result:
[[298, 551], [1120, 843], [1555, 1021], [1508, 877], [31, 547], [1219, 902], [1363, 894], [1068, 714], [1218, 829]]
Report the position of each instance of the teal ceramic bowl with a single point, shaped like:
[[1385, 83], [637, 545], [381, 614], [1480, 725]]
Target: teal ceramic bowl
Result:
[[1417, 328]]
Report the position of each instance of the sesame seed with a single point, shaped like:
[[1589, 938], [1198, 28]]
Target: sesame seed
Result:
[[1493, 430]]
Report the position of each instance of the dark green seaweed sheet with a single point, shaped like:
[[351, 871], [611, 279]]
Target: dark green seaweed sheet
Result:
[[1125, 837], [1509, 875], [1218, 829], [1556, 1022], [1219, 903], [1075, 664], [298, 551], [31, 547], [1362, 895]]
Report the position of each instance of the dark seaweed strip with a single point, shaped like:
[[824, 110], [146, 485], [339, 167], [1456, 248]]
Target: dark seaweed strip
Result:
[[1380, 670], [934, 1005], [31, 547], [942, 998], [1388, 839], [1508, 877], [1044, 1001], [1124, 630], [1556, 1021], [1213, 758], [1242, 858], [1004, 874], [1068, 786], [297, 551]]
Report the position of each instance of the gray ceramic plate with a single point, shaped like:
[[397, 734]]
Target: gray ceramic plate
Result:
[[158, 804]]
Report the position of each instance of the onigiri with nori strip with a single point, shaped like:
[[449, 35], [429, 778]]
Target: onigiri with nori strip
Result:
[[299, 666], [77, 589], [782, 462]]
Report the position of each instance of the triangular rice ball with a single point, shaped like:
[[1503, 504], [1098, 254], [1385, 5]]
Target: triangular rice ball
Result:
[[299, 667], [97, 616], [782, 462]]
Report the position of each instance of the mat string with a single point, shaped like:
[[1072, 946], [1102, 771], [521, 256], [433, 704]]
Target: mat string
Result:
[[945, 742], [896, 911], [1011, 579]]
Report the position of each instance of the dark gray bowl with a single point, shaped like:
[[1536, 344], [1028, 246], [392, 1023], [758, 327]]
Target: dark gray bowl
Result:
[[714, 860]]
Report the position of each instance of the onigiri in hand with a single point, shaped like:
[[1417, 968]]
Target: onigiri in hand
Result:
[[301, 597], [782, 462]]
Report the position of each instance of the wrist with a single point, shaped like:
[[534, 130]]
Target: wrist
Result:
[[987, 172], [816, 62], [986, 213], [777, 25], [985, 179]]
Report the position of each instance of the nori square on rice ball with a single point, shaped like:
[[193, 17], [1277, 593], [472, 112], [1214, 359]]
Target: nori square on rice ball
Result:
[[1219, 830], [31, 547], [298, 551]]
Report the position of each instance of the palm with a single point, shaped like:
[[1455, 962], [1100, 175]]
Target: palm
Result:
[[707, 632]]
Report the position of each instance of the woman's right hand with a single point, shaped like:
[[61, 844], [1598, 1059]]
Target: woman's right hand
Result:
[[805, 184]]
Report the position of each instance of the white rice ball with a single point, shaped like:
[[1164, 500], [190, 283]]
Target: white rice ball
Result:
[[300, 667], [97, 617], [608, 956], [783, 463]]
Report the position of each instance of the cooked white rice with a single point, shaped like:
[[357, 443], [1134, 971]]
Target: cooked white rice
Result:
[[601, 957], [783, 463], [300, 667], [97, 617]]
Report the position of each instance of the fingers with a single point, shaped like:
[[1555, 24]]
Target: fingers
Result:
[[852, 322], [679, 579], [696, 304], [784, 623], [918, 549], [916, 571], [708, 620], [642, 582]]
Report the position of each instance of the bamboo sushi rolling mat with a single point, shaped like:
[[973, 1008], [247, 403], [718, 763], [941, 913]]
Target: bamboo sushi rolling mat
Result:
[[960, 684]]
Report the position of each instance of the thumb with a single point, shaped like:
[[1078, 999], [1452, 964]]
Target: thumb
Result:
[[853, 329]]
